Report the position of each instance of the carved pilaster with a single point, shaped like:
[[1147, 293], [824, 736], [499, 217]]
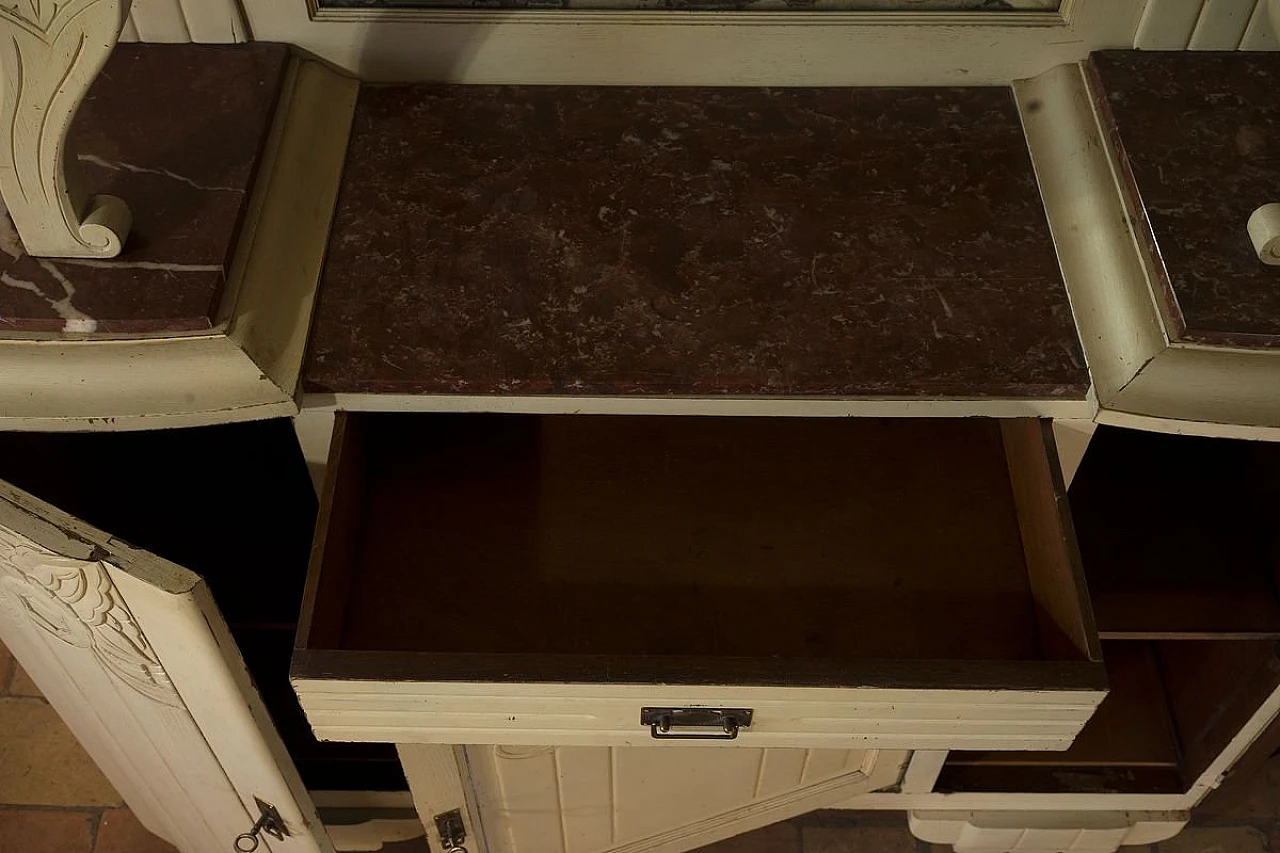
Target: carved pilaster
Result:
[[50, 53]]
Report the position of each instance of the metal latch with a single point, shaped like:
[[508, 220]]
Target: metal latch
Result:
[[453, 832], [726, 722], [269, 821]]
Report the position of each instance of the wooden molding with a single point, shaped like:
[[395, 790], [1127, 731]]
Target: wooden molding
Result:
[[1030, 832], [674, 47], [50, 53], [1067, 15], [1141, 377], [247, 366], [570, 17]]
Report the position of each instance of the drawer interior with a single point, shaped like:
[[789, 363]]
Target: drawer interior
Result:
[[660, 538], [1179, 544]]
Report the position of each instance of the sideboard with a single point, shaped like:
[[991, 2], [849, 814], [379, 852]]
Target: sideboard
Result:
[[577, 468]]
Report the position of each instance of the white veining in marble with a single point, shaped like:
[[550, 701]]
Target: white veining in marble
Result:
[[140, 265], [120, 166], [74, 320]]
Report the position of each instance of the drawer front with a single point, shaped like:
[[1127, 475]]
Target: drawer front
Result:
[[546, 579], [610, 715]]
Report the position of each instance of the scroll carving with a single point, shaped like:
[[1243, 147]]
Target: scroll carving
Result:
[[75, 602], [50, 53]]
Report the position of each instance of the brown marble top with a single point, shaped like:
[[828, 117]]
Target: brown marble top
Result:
[[177, 132], [521, 240], [1200, 133]]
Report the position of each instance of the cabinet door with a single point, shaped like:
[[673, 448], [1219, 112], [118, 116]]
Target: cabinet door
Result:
[[542, 799], [132, 652]]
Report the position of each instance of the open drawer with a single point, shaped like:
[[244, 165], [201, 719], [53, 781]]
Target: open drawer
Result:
[[606, 580]]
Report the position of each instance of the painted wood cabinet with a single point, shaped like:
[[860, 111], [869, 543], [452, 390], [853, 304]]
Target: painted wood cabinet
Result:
[[147, 661], [534, 619]]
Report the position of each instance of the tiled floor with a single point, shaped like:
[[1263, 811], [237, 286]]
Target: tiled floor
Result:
[[54, 800]]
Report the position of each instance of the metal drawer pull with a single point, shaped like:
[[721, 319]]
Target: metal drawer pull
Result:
[[662, 722], [269, 821]]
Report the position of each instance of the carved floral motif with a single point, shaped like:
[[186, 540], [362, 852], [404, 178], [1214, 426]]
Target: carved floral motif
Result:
[[75, 602], [50, 53], [38, 14]]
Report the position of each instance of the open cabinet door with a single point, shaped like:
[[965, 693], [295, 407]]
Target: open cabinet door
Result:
[[523, 799], [133, 653]]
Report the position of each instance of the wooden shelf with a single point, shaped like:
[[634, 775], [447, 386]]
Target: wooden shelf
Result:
[[1172, 709], [1179, 542], [1129, 743], [1178, 536], [1132, 727]]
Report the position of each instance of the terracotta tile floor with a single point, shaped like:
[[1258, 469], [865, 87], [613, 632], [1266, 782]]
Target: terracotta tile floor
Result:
[[54, 800]]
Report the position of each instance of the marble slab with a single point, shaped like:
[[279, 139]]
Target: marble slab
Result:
[[1199, 134], [692, 241], [177, 132]]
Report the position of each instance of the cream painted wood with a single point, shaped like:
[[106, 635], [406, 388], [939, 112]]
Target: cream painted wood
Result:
[[1092, 230], [370, 800], [117, 385], [1212, 776], [274, 278], [1014, 801], [708, 48], [214, 21], [248, 366], [131, 651], [1072, 437], [372, 834], [50, 53], [1044, 832], [608, 714], [1140, 378], [370, 819], [440, 781], [1222, 24], [1208, 25], [160, 21], [1205, 387], [1263, 32], [314, 427], [541, 799], [174, 21], [922, 770], [1167, 24], [825, 407]]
